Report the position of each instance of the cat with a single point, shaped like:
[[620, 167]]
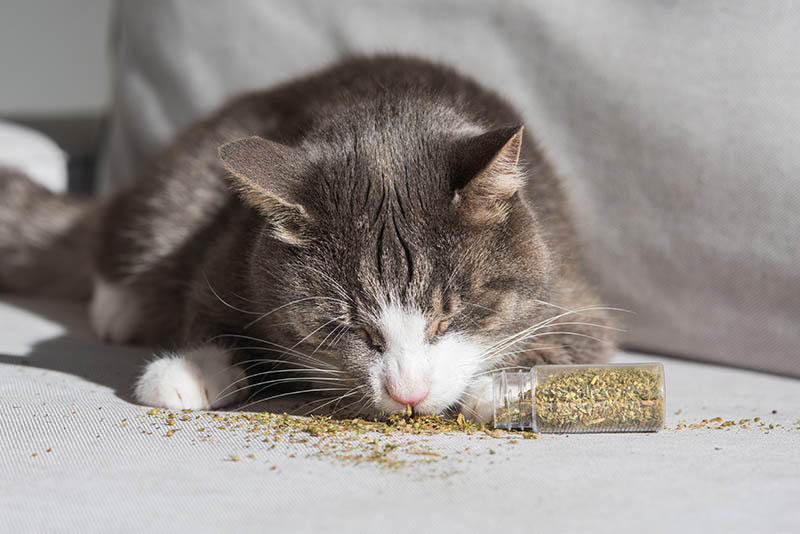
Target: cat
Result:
[[383, 232]]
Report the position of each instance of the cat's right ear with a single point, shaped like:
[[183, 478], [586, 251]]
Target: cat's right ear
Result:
[[488, 175], [261, 172]]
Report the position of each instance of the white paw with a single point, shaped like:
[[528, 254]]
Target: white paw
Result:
[[114, 312], [478, 402], [198, 379]]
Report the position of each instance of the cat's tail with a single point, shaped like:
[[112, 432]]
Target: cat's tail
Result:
[[46, 239]]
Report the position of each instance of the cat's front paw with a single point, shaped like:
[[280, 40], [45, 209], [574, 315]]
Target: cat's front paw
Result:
[[199, 379], [477, 404]]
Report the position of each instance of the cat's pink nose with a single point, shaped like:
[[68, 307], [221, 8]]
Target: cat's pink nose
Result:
[[411, 394]]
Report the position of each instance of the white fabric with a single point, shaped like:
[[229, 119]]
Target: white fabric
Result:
[[60, 389], [34, 154], [674, 124]]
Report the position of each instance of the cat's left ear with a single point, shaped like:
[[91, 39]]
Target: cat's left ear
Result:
[[488, 175], [262, 173]]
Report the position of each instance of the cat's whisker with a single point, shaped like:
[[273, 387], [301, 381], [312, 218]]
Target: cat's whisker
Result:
[[532, 348], [550, 320], [287, 394], [288, 350], [270, 383], [508, 353], [256, 339], [256, 361], [261, 303], [538, 347], [503, 352], [223, 301], [515, 338], [479, 306], [469, 395], [274, 371], [348, 393], [336, 285], [315, 401], [362, 401], [563, 308], [282, 306], [323, 399], [338, 337], [568, 333], [561, 333], [328, 336], [504, 343], [248, 376], [365, 400], [352, 391], [251, 301], [556, 306], [345, 407], [473, 321], [453, 274], [496, 369], [463, 406], [317, 329], [355, 389], [551, 325], [266, 384], [593, 325]]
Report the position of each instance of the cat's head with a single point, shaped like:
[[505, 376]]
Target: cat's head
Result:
[[404, 267]]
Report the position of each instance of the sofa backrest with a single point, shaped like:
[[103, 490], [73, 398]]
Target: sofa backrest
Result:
[[674, 124]]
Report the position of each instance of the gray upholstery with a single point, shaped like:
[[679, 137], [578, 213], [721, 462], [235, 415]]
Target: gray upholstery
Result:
[[110, 467], [674, 124]]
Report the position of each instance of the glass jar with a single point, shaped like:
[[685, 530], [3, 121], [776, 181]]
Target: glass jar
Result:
[[581, 398]]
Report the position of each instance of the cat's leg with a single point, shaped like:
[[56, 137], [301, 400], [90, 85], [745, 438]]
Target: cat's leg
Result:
[[477, 401], [115, 311], [200, 378]]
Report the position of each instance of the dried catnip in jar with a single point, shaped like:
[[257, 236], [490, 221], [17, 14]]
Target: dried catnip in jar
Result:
[[581, 398]]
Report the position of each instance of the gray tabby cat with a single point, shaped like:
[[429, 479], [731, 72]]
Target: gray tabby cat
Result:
[[381, 232]]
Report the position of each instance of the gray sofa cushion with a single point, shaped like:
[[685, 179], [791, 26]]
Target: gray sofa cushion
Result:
[[674, 124]]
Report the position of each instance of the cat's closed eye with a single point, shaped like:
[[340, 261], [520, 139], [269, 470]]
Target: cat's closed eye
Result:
[[370, 337], [437, 328], [441, 327]]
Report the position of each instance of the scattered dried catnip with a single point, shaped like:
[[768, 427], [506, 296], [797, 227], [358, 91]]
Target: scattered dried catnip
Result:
[[390, 442]]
